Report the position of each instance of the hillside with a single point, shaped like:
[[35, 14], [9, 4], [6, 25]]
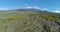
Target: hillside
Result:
[[19, 21]]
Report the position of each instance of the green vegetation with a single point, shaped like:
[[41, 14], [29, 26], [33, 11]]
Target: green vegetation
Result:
[[18, 21]]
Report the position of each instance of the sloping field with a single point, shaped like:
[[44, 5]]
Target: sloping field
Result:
[[17, 21]]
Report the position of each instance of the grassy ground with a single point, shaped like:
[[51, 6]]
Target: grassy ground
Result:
[[17, 21]]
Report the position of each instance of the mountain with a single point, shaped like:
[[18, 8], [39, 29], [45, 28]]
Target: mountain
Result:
[[30, 10], [29, 20]]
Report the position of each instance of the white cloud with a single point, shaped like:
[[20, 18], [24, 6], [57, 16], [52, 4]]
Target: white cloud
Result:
[[29, 7], [57, 11], [4, 8], [36, 7], [45, 9]]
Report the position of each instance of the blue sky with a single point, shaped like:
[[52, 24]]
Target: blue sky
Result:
[[49, 5]]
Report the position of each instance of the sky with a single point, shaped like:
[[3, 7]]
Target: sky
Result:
[[49, 5]]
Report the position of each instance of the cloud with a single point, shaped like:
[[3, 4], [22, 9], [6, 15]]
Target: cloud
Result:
[[29, 7], [57, 11], [45, 9], [4, 8], [36, 7]]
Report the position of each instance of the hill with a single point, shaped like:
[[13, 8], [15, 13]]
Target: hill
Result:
[[28, 21]]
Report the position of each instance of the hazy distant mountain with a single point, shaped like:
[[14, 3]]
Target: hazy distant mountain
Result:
[[31, 10]]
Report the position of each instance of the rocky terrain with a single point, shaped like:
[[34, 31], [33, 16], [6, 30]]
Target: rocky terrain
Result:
[[17, 21]]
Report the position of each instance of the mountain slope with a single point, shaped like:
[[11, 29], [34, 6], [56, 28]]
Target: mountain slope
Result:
[[19, 21]]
